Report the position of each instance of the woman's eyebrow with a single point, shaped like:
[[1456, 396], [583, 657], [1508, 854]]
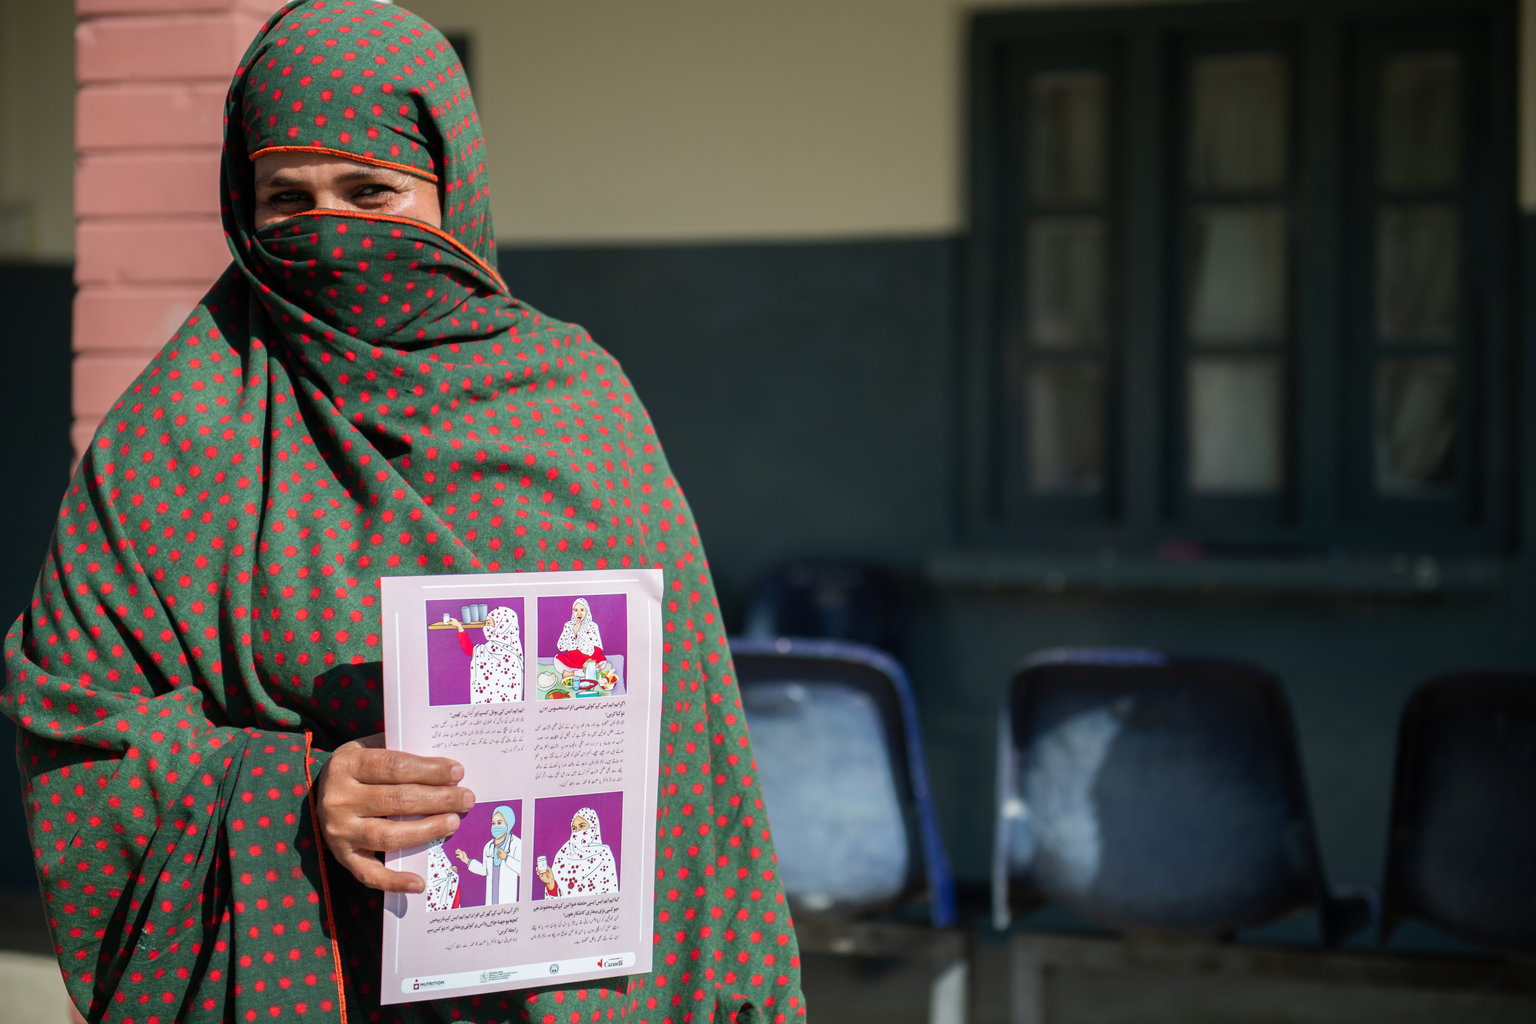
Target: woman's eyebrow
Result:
[[281, 180]]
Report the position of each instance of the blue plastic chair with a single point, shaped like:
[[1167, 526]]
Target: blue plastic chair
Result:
[[839, 755], [1156, 794], [1461, 852]]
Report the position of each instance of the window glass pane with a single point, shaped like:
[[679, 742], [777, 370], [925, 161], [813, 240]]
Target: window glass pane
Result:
[[1066, 282], [1238, 275], [1420, 128], [1066, 151], [1240, 122], [1066, 427], [1235, 425], [1415, 424], [1417, 256]]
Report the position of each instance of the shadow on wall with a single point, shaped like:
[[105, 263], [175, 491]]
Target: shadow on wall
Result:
[[802, 391], [34, 465]]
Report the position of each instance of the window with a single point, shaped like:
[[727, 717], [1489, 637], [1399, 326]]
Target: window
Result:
[[1240, 274]]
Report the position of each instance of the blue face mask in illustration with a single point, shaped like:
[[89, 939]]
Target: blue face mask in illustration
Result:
[[498, 829]]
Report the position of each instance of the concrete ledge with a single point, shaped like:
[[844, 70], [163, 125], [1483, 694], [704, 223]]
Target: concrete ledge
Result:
[[1389, 576]]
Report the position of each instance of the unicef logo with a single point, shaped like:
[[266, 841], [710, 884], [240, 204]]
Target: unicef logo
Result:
[[484, 978], [554, 968]]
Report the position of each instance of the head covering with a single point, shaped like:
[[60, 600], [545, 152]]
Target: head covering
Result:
[[582, 636], [367, 83], [442, 878], [357, 396], [507, 813], [496, 666], [584, 866]]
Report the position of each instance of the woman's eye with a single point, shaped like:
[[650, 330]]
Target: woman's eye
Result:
[[286, 198], [374, 191]]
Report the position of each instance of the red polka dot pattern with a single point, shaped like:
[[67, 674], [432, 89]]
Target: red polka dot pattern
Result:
[[357, 396]]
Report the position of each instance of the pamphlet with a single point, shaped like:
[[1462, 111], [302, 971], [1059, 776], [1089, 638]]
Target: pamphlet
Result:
[[546, 687]]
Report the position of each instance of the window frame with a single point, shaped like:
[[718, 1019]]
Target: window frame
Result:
[[1144, 503]]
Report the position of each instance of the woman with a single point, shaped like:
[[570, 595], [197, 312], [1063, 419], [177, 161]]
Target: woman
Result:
[[580, 641], [501, 862], [442, 879], [496, 666], [358, 395], [584, 866]]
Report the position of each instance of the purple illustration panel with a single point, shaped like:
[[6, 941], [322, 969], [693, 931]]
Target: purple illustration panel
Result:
[[478, 876], [450, 668], [585, 626], [579, 861]]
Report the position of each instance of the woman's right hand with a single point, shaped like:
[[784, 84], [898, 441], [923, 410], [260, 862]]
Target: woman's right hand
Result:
[[363, 785]]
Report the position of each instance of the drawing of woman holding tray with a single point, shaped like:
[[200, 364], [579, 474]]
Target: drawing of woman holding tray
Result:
[[496, 666]]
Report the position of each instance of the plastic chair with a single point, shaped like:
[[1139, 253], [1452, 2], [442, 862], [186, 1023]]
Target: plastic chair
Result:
[[839, 756], [1461, 852], [831, 600], [1156, 794]]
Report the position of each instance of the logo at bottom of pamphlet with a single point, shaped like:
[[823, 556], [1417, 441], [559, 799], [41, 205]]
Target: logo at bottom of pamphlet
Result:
[[417, 984], [554, 968], [614, 961]]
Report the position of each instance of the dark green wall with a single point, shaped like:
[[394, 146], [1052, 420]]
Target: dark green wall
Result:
[[802, 391], [806, 397], [34, 465]]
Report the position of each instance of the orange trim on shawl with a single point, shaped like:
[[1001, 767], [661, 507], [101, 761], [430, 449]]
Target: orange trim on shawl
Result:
[[325, 881], [359, 158]]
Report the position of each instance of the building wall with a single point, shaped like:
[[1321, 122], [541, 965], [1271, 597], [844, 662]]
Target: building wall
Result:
[[37, 99], [759, 210], [670, 120]]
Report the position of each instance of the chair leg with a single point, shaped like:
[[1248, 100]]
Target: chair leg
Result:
[[1026, 983], [948, 995]]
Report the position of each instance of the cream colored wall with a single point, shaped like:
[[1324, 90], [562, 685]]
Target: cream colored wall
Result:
[[695, 119], [37, 128], [650, 120]]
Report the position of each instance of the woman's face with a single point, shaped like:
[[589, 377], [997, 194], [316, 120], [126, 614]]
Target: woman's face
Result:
[[290, 183], [578, 824], [578, 612]]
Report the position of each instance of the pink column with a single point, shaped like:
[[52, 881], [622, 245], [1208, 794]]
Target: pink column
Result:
[[152, 76]]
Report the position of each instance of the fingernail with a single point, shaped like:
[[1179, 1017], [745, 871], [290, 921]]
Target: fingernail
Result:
[[456, 772], [453, 823], [468, 803]]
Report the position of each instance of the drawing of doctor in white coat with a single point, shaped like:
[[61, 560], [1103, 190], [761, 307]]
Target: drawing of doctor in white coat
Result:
[[501, 862]]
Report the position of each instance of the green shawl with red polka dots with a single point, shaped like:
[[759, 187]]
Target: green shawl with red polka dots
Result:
[[357, 396]]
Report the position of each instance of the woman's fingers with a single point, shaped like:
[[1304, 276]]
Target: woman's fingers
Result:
[[385, 835], [375, 875], [395, 801], [380, 767]]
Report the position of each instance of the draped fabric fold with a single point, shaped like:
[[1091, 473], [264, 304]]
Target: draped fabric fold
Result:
[[356, 396]]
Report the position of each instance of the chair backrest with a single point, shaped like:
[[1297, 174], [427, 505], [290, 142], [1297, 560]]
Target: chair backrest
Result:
[[1461, 851], [1151, 793], [839, 754], [830, 600]]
